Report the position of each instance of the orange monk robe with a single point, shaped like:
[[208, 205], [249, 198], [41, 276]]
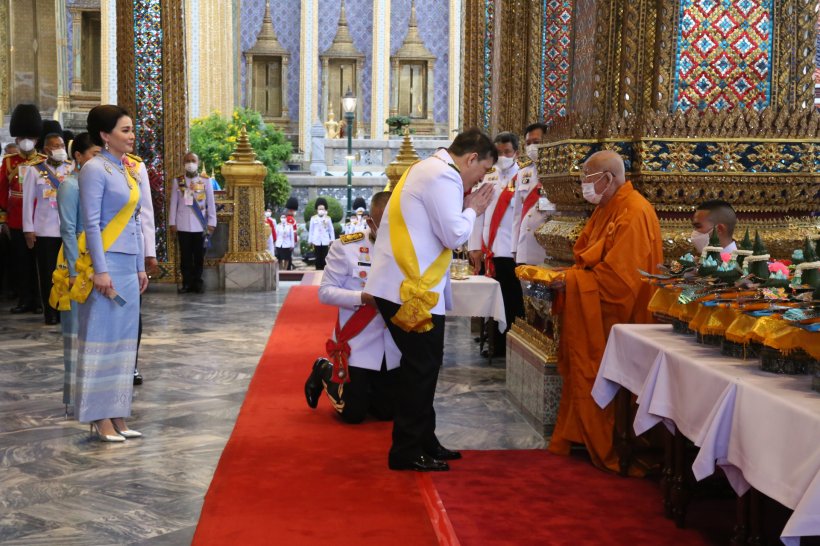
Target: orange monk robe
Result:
[[602, 288]]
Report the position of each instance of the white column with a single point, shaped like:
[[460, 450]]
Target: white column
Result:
[[380, 78], [108, 24], [308, 73], [193, 44], [455, 66], [63, 85]]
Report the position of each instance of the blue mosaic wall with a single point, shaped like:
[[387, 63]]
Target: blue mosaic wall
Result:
[[360, 23], [434, 28], [724, 53], [433, 18], [286, 17], [287, 21], [69, 42]]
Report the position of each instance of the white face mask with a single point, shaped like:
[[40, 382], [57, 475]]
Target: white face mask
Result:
[[532, 152], [588, 190], [59, 155], [282, 219], [26, 145], [699, 240], [191, 167], [321, 212], [505, 162], [267, 214]]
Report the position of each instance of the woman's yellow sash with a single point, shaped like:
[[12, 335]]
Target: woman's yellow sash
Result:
[[417, 299], [60, 291]]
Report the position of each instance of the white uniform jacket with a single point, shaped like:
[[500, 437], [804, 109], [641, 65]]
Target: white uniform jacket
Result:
[[525, 247], [197, 190], [149, 234], [344, 278], [432, 204], [285, 236], [40, 215], [321, 230], [502, 246]]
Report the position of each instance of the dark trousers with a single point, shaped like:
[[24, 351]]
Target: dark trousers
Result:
[[25, 271], [321, 254], [414, 425], [7, 285], [510, 289], [191, 258], [369, 391], [46, 250], [139, 339]]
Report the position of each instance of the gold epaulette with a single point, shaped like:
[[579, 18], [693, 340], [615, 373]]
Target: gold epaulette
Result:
[[524, 162], [352, 237], [136, 158], [36, 160], [491, 171]]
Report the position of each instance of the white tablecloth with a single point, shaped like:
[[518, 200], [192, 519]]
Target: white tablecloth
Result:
[[762, 429], [478, 296]]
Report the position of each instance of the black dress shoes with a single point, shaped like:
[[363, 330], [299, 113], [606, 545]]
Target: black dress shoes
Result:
[[422, 463], [443, 454], [51, 321], [137, 377], [183, 290], [322, 369], [22, 309]]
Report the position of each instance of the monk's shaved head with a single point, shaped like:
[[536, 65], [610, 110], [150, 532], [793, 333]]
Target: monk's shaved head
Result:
[[605, 171], [607, 161]]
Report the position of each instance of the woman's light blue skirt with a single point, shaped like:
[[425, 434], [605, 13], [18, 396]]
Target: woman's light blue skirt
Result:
[[107, 345], [69, 321]]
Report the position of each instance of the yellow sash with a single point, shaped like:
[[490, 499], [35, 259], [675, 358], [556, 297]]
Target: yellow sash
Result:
[[417, 300], [60, 292]]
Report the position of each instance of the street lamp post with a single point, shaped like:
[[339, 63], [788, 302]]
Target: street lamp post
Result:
[[349, 106]]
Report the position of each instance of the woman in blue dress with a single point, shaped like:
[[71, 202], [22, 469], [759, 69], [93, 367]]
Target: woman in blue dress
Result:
[[71, 225], [109, 317]]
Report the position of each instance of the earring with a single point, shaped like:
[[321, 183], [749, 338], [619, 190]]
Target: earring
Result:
[[106, 147]]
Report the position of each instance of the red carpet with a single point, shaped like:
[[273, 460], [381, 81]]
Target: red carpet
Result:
[[532, 497], [293, 476]]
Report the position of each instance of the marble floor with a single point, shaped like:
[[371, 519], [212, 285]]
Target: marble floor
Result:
[[198, 355]]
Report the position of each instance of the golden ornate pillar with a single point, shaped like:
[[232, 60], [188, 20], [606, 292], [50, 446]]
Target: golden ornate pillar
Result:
[[248, 265], [4, 60], [151, 84]]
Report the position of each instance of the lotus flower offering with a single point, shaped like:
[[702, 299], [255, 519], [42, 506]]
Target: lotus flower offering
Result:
[[747, 302]]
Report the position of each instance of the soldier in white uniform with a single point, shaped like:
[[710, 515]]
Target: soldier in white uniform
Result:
[[320, 232], [530, 209], [285, 240], [192, 216], [358, 221], [374, 358], [491, 241], [427, 217], [41, 219]]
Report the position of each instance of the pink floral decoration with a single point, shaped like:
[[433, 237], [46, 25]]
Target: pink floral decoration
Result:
[[774, 267]]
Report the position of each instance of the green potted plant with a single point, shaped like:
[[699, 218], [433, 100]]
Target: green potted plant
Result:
[[397, 124]]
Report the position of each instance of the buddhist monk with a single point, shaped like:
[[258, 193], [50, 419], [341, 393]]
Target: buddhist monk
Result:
[[603, 288]]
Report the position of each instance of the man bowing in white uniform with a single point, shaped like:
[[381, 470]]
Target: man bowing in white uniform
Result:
[[427, 217]]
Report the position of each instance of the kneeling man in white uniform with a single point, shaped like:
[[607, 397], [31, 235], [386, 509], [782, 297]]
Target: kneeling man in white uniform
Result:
[[362, 371]]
